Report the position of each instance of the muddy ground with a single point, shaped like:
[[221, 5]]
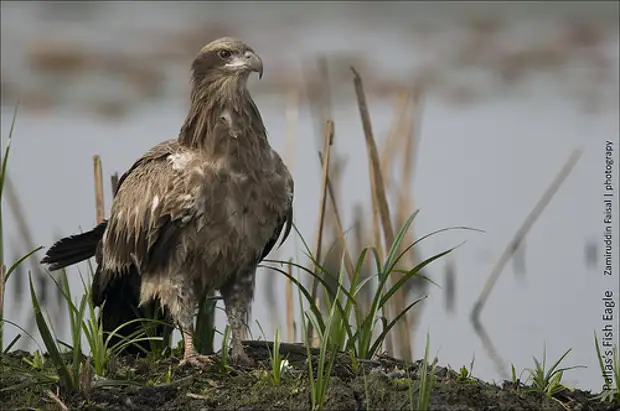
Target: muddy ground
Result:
[[384, 384]]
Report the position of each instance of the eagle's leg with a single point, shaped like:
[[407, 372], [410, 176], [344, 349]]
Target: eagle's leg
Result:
[[188, 343], [191, 355], [238, 295], [182, 303]]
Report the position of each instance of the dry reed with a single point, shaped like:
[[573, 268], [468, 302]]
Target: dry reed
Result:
[[348, 261], [327, 146], [99, 201], [290, 313], [380, 203], [292, 124]]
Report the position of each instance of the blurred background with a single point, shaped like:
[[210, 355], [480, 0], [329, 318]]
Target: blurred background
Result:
[[495, 96]]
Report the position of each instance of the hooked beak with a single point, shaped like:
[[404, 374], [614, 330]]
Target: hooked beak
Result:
[[249, 61], [253, 62]]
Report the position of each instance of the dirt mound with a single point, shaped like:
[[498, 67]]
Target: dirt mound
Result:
[[382, 384]]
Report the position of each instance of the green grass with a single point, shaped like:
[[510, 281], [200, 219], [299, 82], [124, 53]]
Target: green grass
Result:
[[516, 380], [277, 361], [549, 381], [73, 369], [426, 381], [69, 362], [205, 325], [352, 329], [347, 327], [4, 274], [224, 363], [465, 374]]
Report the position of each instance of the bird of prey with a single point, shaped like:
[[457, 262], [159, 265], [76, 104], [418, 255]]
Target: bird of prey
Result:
[[195, 213]]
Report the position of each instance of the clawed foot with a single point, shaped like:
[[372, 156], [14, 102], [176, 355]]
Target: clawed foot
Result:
[[241, 359], [199, 361]]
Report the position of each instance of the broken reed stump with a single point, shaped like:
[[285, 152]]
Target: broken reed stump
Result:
[[114, 183]]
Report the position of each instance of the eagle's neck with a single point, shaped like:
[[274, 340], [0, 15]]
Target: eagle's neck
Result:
[[223, 119]]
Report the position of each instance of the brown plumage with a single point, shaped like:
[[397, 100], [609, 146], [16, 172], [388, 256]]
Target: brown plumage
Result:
[[199, 212]]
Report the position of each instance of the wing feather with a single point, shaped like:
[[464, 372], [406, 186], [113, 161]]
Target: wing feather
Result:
[[152, 204], [286, 221]]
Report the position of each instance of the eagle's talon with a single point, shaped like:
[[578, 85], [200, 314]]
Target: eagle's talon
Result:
[[198, 361], [242, 360]]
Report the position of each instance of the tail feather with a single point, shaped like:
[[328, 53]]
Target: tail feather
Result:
[[119, 296], [121, 308], [74, 249]]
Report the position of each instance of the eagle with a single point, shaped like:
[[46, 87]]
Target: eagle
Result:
[[194, 214]]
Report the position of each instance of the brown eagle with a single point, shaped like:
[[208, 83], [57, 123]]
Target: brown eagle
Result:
[[195, 213]]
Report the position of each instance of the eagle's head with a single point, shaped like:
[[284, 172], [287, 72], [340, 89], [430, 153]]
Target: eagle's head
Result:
[[226, 58]]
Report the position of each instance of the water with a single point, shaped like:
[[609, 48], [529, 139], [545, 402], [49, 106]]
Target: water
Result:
[[483, 164]]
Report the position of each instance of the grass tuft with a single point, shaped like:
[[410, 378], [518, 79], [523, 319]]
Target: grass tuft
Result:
[[610, 371], [278, 363], [427, 381], [549, 381], [351, 328]]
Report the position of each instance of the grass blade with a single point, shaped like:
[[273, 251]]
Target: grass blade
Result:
[[49, 342], [19, 261]]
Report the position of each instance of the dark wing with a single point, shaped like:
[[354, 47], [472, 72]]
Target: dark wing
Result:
[[79, 247], [121, 295], [121, 290], [286, 220], [155, 200]]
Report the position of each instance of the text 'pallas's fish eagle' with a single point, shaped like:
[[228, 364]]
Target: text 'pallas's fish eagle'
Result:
[[196, 213]]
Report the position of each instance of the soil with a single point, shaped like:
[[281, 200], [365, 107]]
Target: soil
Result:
[[382, 384]]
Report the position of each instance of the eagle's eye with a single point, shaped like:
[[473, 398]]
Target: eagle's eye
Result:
[[224, 54]]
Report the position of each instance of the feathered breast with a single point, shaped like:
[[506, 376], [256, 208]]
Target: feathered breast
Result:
[[177, 203]]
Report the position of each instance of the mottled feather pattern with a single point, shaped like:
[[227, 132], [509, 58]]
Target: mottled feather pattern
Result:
[[200, 211], [230, 204], [131, 220]]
